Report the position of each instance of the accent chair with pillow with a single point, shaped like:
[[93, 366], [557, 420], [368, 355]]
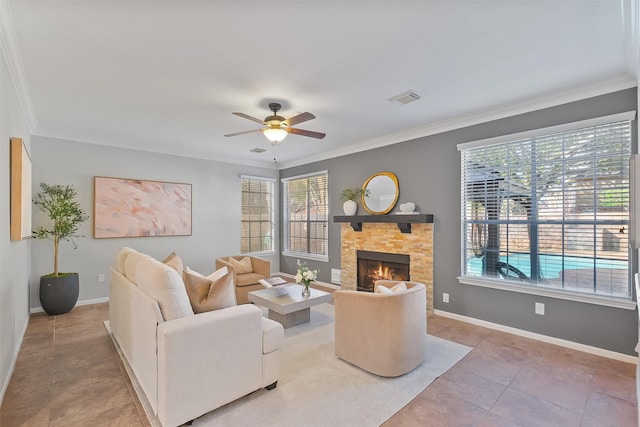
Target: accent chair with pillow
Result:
[[190, 347], [385, 331], [248, 270]]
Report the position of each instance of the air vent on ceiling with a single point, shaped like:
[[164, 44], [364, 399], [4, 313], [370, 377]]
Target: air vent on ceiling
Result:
[[404, 98], [257, 150]]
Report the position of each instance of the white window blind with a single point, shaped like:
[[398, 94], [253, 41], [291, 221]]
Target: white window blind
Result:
[[306, 215], [257, 216], [550, 211]]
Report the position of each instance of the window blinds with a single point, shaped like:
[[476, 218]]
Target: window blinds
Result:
[[306, 214], [256, 234], [550, 210]]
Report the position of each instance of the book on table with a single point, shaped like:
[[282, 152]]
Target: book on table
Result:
[[272, 281]]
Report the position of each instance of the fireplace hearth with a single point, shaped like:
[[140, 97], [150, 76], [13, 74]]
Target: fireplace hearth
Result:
[[374, 266]]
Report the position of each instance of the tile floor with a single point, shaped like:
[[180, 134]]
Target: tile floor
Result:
[[68, 374]]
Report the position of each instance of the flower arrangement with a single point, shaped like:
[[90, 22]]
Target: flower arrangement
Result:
[[305, 277]]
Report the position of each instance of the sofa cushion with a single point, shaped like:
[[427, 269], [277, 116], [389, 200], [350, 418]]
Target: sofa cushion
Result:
[[210, 293], [242, 266], [121, 256], [131, 264], [272, 335], [165, 285]]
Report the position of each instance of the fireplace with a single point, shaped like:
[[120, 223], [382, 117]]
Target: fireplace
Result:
[[374, 266]]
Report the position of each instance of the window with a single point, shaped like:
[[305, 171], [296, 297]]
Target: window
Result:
[[550, 209], [306, 215], [257, 215]]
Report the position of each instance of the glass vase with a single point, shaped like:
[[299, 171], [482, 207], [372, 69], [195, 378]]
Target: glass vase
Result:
[[306, 292]]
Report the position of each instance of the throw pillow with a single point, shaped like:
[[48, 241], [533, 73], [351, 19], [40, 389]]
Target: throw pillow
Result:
[[400, 286], [121, 256], [243, 266], [383, 290], [174, 261], [164, 285], [209, 293]]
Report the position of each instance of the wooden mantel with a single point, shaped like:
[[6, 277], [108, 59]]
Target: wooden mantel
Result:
[[404, 221]]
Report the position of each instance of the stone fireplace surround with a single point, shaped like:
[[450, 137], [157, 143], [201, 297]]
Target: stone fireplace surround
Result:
[[386, 237]]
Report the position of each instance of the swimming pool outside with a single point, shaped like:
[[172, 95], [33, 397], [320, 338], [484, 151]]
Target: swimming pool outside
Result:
[[551, 266]]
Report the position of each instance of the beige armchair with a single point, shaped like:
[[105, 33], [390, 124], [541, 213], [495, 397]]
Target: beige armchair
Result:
[[246, 276], [382, 333]]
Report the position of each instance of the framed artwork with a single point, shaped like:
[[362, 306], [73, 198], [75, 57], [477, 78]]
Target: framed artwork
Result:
[[20, 190], [139, 208]]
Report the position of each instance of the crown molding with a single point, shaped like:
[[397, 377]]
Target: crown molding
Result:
[[13, 59], [501, 112], [63, 136]]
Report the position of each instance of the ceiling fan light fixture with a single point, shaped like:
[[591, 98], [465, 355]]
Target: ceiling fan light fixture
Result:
[[275, 135]]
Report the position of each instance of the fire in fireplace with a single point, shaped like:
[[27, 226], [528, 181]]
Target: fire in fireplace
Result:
[[374, 266]]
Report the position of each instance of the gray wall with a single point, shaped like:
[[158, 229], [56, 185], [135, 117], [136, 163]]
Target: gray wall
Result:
[[14, 256], [428, 171], [215, 209]]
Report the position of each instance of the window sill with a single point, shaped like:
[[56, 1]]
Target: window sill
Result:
[[551, 293], [303, 255], [260, 254]]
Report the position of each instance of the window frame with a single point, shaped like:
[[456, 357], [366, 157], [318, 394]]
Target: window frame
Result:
[[515, 286], [286, 251], [272, 182]]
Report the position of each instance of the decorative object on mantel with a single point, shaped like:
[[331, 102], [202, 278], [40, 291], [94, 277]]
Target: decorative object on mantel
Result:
[[407, 209], [404, 221], [382, 193], [348, 196], [304, 276]]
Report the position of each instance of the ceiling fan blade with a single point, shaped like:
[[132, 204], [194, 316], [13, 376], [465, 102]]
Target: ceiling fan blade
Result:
[[302, 117], [303, 132], [246, 116], [245, 132]]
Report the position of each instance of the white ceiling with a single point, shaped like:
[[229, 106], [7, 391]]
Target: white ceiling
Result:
[[165, 76]]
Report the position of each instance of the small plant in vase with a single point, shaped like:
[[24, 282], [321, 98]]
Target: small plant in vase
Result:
[[348, 196], [304, 276]]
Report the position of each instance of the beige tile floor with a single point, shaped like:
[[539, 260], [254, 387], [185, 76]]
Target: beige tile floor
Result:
[[68, 374]]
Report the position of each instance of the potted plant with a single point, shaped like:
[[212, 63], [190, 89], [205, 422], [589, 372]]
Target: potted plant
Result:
[[348, 196], [59, 291]]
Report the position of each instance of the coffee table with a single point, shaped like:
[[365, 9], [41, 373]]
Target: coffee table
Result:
[[286, 305]]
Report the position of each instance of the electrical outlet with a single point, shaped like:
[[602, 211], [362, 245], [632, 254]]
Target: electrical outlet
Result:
[[445, 297], [101, 278], [336, 276], [540, 308]]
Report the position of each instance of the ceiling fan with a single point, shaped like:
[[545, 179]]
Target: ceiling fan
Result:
[[277, 127]]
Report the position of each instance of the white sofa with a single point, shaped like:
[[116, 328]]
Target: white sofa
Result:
[[187, 364]]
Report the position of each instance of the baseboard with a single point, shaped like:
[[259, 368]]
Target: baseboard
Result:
[[544, 338], [5, 382], [79, 303]]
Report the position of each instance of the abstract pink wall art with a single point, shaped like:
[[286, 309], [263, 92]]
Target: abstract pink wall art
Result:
[[139, 208]]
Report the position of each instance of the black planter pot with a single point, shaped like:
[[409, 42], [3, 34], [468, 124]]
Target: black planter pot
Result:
[[59, 295]]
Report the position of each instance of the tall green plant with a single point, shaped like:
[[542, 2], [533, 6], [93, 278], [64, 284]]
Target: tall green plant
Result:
[[60, 204]]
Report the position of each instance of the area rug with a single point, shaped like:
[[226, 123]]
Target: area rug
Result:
[[318, 389]]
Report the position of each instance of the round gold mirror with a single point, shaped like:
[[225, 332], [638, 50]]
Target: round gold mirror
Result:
[[380, 193]]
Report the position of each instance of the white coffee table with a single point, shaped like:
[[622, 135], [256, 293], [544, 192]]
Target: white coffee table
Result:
[[286, 305]]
